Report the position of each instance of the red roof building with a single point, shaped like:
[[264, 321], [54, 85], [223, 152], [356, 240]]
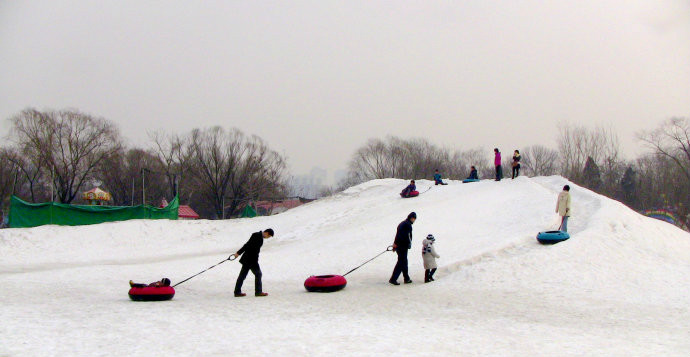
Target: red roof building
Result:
[[186, 212], [265, 208]]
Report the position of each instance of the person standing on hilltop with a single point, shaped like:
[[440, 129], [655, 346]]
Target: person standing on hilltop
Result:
[[516, 164], [497, 163]]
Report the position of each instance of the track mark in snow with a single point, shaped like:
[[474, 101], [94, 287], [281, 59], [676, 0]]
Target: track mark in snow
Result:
[[511, 250], [144, 260]]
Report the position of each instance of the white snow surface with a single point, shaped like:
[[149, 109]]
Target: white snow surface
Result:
[[619, 287]]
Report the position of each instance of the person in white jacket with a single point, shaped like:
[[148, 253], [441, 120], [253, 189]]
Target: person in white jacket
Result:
[[429, 255], [563, 207]]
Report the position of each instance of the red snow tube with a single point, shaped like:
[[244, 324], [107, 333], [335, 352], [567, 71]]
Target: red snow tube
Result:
[[411, 194], [325, 283], [152, 293]]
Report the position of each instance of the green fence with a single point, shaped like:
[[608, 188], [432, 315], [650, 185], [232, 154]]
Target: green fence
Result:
[[24, 214]]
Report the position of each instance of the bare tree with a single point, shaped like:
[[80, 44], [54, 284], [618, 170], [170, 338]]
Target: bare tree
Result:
[[71, 143], [577, 144], [396, 157], [260, 173], [122, 174], [671, 140], [170, 151], [671, 145], [8, 178], [462, 161], [30, 164], [371, 161], [539, 160], [231, 166]]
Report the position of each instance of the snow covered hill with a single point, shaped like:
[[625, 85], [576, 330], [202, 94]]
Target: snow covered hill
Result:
[[619, 287]]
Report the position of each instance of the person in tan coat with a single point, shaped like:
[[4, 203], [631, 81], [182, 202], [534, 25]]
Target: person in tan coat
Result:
[[563, 207]]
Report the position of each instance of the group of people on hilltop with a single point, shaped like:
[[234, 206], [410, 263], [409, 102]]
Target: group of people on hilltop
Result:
[[438, 180], [499, 167]]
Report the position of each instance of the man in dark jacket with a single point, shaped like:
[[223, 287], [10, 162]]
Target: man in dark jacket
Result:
[[250, 261], [402, 243]]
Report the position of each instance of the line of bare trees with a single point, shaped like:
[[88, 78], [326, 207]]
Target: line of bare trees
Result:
[[590, 157], [57, 155], [417, 158]]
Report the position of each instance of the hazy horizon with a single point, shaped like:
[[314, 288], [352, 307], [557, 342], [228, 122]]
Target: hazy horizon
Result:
[[317, 79]]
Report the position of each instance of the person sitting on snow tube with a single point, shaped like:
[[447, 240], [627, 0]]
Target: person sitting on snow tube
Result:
[[411, 187], [473, 174], [437, 178], [155, 284]]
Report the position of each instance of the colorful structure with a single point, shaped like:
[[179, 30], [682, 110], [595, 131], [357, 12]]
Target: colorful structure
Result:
[[666, 216], [97, 197]]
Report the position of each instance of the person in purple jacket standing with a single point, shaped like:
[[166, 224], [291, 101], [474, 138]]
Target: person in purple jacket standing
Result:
[[497, 163]]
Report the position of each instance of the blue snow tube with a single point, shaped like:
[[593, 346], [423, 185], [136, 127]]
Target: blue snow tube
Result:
[[469, 180], [552, 237]]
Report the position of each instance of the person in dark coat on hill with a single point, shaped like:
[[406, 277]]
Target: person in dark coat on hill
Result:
[[250, 261], [516, 164], [402, 243], [411, 187], [473, 174]]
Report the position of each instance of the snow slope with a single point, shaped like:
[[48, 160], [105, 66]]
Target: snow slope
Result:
[[618, 287]]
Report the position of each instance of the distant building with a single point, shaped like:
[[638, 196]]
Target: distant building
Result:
[[339, 176], [267, 208], [310, 185], [186, 212]]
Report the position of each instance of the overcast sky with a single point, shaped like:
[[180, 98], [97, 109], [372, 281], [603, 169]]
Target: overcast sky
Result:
[[317, 78]]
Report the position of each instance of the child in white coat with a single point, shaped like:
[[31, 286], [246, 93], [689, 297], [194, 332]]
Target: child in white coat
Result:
[[429, 255]]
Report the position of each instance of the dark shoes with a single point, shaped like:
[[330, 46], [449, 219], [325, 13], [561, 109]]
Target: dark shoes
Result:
[[408, 281], [257, 294]]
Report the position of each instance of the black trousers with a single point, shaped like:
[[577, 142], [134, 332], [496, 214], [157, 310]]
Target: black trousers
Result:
[[256, 270], [429, 274], [401, 265], [499, 173], [516, 171]]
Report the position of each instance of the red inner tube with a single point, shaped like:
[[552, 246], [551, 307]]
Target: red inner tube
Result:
[[152, 293], [325, 283], [411, 194]]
